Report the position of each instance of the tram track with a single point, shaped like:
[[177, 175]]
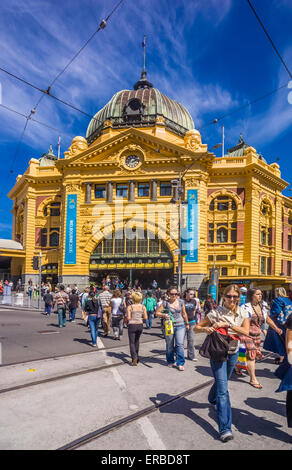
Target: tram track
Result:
[[77, 373], [98, 433], [87, 370]]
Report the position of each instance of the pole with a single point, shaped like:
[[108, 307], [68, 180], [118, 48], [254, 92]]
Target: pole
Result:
[[59, 146], [223, 141], [179, 234], [40, 281]]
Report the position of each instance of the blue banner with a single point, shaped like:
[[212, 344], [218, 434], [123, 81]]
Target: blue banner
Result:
[[70, 245], [191, 245]]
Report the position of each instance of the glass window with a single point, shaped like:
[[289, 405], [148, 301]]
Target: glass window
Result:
[[263, 237], [44, 237], [142, 245], [222, 235], [54, 237], [55, 208], [263, 265], [224, 271], [99, 191], [222, 206], [98, 249], [211, 206], [288, 268], [122, 190], [165, 188], [131, 246], [233, 232], [290, 242], [154, 246], [143, 190], [108, 246], [119, 242]]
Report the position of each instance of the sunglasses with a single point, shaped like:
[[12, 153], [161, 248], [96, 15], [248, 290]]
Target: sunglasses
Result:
[[173, 293], [232, 296]]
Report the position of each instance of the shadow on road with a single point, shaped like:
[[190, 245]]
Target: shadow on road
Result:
[[246, 422]]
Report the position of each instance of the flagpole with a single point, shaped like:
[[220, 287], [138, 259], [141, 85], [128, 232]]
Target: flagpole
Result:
[[144, 54], [223, 141], [59, 146]]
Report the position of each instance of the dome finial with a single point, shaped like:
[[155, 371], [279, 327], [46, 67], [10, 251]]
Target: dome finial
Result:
[[144, 56], [143, 82]]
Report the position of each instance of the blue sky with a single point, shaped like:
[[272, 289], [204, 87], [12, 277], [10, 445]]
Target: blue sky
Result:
[[210, 55]]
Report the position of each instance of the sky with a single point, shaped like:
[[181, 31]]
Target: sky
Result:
[[210, 55]]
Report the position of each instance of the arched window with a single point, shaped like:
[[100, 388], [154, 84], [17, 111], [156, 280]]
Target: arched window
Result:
[[54, 237], [222, 235]]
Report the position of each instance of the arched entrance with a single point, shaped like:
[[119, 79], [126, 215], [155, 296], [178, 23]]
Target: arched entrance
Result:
[[139, 259]]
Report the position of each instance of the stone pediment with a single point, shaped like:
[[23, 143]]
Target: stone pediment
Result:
[[130, 150]]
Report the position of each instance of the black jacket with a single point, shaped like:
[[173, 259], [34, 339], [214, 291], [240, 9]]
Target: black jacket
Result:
[[91, 306]]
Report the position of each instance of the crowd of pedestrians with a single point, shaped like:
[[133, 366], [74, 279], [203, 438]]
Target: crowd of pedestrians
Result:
[[235, 324]]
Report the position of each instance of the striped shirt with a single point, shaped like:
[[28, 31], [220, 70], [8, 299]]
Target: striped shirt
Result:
[[105, 298]]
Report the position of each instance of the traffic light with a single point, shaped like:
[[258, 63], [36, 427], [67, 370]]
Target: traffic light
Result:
[[175, 279], [35, 263]]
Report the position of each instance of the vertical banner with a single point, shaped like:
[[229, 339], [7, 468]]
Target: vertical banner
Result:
[[70, 245], [213, 283], [192, 227]]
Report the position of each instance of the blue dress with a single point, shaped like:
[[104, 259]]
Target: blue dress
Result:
[[284, 371], [274, 342]]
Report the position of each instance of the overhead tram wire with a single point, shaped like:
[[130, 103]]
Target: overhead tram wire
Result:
[[100, 28], [266, 95], [47, 92], [269, 38], [35, 120]]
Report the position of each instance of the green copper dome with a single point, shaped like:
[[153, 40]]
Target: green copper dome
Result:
[[140, 108]]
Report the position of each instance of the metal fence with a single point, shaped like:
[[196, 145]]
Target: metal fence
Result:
[[21, 299]]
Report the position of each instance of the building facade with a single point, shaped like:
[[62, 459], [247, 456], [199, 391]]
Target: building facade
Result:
[[110, 205]]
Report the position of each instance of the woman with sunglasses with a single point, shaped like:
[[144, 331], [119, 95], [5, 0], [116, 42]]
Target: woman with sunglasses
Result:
[[235, 321], [174, 307]]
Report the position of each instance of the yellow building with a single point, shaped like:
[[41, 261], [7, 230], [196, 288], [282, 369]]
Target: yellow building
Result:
[[108, 206]]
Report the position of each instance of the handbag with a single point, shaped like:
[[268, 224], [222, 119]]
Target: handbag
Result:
[[242, 359], [168, 327], [215, 347]]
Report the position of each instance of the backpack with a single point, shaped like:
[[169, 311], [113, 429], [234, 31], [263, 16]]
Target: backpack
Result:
[[286, 311]]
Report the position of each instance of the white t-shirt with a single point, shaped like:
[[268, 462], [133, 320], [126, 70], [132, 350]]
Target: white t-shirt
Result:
[[115, 303]]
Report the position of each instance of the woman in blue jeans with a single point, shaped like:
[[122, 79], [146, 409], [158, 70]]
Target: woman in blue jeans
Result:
[[174, 308], [91, 308], [232, 320]]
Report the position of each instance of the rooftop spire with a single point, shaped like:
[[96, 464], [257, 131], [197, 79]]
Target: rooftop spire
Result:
[[143, 82]]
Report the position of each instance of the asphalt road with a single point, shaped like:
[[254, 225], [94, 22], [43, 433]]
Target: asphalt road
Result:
[[30, 335]]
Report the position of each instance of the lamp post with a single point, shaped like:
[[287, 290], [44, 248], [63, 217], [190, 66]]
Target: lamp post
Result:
[[177, 183], [40, 281]]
